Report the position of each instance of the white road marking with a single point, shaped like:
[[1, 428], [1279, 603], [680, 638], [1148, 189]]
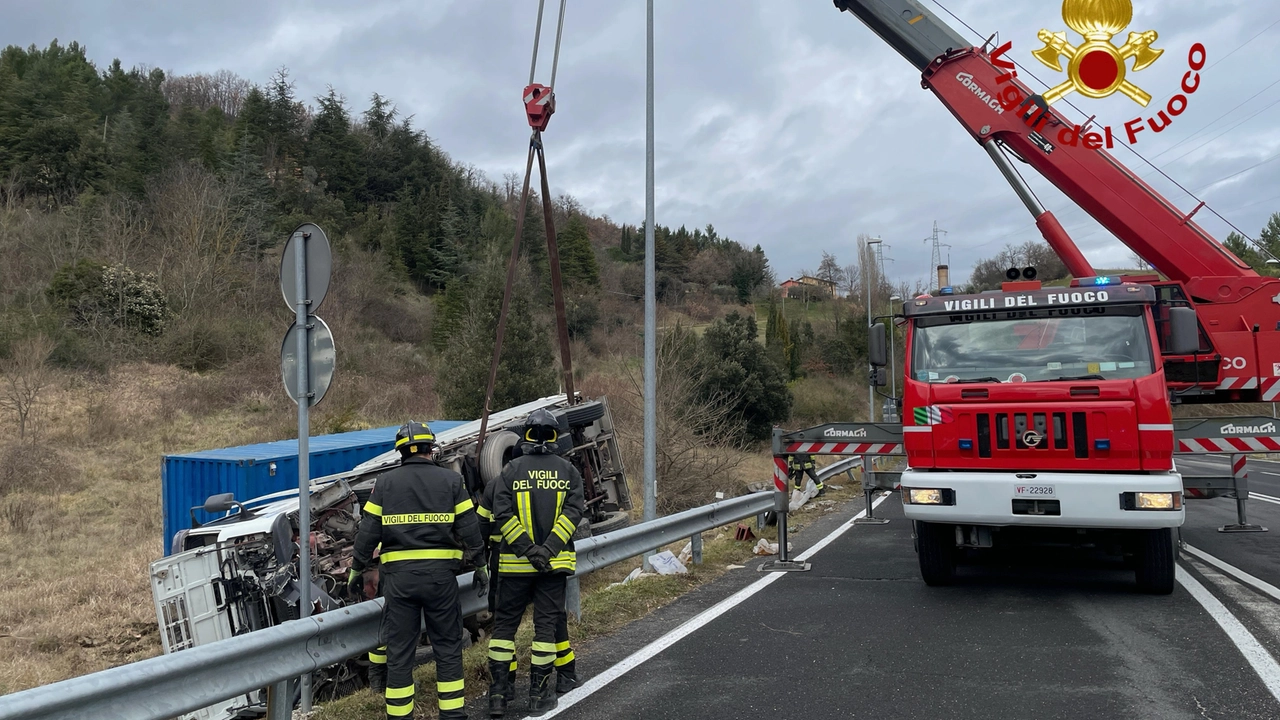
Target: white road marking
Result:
[[1235, 572], [1266, 666], [1264, 498], [1269, 497], [1268, 472], [706, 616]]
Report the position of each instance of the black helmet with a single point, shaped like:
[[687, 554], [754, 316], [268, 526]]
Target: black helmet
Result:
[[541, 428], [413, 438]]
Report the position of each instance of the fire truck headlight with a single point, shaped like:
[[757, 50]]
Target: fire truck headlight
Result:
[[1153, 501], [928, 496]]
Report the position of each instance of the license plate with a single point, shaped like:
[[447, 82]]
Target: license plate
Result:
[[1034, 491]]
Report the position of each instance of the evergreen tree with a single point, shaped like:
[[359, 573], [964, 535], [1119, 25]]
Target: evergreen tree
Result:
[[334, 152], [577, 258], [738, 366]]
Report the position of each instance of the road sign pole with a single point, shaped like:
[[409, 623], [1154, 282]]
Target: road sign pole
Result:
[[304, 452], [1240, 481]]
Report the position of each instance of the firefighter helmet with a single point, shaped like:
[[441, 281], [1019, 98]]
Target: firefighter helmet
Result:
[[413, 438], [541, 428]]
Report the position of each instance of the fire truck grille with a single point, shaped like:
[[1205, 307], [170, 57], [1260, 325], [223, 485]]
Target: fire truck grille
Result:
[[1051, 432]]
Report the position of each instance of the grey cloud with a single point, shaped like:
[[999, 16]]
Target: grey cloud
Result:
[[784, 124]]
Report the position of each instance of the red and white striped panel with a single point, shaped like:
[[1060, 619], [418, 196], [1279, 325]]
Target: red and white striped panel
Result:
[[1238, 466], [1238, 383], [1229, 445], [780, 477], [1270, 389], [817, 448]]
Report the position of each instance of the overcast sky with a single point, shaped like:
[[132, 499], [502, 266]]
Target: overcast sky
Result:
[[782, 122]]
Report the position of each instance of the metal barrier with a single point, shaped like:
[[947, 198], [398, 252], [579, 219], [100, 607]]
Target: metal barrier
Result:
[[171, 685]]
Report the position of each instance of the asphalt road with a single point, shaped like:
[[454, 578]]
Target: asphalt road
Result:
[[860, 636]]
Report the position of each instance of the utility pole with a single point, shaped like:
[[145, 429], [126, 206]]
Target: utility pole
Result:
[[936, 258], [869, 273], [650, 298]]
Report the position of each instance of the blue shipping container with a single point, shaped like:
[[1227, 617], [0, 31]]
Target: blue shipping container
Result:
[[251, 471]]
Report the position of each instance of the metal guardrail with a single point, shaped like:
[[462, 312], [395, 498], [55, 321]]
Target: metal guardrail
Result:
[[171, 685]]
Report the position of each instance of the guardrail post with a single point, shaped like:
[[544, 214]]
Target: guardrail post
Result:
[[781, 498], [279, 701], [868, 490], [1240, 480], [696, 543], [573, 598]]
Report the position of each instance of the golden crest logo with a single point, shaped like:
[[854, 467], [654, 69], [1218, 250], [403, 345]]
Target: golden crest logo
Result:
[[1097, 68]]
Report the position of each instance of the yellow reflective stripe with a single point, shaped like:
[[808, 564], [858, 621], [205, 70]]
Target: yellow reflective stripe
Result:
[[543, 646], [484, 512], [500, 655], [560, 533], [562, 646], [495, 538], [504, 644], [421, 555], [399, 693], [451, 703], [513, 666], [542, 659], [378, 658], [511, 524], [525, 507], [559, 503], [463, 506], [419, 519], [565, 659], [449, 686], [372, 509], [515, 566], [400, 710]]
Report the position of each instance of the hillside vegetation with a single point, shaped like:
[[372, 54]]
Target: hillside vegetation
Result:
[[141, 219]]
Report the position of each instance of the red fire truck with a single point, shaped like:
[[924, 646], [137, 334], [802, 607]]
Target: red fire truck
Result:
[[1038, 412]]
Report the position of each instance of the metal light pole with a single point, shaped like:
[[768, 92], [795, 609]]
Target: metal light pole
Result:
[[650, 297], [871, 386]]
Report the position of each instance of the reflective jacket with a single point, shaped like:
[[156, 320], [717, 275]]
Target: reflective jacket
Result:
[[802, 461], [418, 512], [538, 501], [485, 512]]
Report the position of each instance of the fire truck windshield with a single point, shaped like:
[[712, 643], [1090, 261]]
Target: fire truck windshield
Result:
[[1107, 344]]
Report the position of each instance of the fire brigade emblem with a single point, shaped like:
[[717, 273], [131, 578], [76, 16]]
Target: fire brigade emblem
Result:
[[1031, 438], [1097, 67]]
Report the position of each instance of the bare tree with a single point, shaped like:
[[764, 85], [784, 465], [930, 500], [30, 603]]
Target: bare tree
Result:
[[202, 231], [830, 271], [26, 375], [699, 448]]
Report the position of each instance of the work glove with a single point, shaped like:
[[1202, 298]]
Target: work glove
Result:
[[481, 581], [540, 557], [355, 584]]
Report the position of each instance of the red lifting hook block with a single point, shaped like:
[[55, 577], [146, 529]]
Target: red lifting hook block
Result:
[[539, 104]]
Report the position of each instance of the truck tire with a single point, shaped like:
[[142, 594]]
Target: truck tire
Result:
[[1155, 556], [496, 454], [937, 551], [613, 521], [584, 414]]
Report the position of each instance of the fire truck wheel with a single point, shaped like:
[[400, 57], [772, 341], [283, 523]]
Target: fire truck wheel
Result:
[[937, 550], [1156, 557]]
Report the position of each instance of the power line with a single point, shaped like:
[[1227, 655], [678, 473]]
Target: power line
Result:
[[1213, 122]]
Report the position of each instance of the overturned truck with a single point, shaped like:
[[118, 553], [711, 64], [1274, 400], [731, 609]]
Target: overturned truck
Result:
[[239, 572]]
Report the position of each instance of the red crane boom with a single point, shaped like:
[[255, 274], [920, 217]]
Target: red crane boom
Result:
[[1239, 310]]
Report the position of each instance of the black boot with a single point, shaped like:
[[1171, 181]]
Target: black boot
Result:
[[378, 678], [566, 678], [542, 694], [499, 688]]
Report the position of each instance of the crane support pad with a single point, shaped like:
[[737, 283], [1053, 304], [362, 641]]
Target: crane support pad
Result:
[[1199, 436], [846, 439]]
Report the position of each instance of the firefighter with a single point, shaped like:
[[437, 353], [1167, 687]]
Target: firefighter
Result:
[[537, 504], [415, 512], [565, 664], [801, 464]]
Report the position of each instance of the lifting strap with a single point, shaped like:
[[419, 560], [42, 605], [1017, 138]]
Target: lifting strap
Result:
[[540, 104]]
